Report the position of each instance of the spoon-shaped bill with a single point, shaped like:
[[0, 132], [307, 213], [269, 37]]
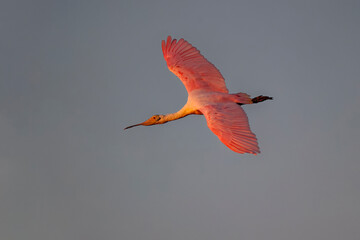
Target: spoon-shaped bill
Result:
[[151, 121], [133, 126]]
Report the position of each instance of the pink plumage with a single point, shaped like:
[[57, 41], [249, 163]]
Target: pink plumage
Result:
[[186, 62], [209, 96], [229, 122]]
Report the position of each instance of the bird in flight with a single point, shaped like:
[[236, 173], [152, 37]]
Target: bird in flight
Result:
[[208, 96]]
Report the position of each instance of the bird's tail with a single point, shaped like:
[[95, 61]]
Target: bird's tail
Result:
[[242, 98]]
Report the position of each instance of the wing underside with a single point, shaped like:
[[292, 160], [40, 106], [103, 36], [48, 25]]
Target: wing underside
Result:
[[193, 69], [229, 122]]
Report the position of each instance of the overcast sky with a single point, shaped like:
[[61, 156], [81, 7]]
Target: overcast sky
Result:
[[73, 74]]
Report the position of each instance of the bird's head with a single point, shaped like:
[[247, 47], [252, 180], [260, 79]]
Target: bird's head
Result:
[[156, 119]]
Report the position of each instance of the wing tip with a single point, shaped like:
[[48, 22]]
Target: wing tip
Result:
[[166, 45], [254, 150]]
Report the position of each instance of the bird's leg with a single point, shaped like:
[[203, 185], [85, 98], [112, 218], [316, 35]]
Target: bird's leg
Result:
[[260, 98], [257, 99]]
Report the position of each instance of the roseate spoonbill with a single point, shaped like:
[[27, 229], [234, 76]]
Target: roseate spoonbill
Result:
[[208, 96]]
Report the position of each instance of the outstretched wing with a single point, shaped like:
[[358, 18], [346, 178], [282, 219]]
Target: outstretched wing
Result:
[[229, 122], [195, 72]]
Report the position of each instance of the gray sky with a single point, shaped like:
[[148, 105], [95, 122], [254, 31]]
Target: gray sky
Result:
[[73, 74]]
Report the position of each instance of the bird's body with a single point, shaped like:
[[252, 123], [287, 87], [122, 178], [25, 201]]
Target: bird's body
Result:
[[208, 95]]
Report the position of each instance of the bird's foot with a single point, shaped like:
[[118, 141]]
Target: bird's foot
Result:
[[260, 98]]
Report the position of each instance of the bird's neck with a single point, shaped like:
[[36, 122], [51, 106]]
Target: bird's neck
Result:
[[183, 112]]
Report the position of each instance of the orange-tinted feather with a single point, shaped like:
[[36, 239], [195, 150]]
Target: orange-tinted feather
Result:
[[186, 62], [229, 122]]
